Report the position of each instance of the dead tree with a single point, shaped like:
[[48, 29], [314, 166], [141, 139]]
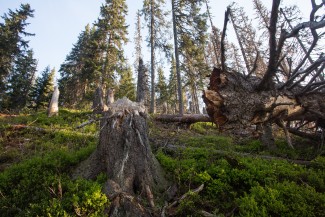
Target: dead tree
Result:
[[54, 104], [110, 96], [98, 101], [142, 85], [124, 154], [247, 105]]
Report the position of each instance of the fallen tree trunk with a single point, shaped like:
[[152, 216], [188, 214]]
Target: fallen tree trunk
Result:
[[184, 119], [124, 154]]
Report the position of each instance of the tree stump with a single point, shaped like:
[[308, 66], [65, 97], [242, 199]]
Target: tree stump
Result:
[[124, 154], [54, 104]]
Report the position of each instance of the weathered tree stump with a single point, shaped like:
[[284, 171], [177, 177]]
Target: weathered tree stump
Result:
[[54, 104], [124, 154]]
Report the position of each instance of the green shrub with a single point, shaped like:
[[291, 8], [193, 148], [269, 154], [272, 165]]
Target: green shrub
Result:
[[203, 127], [282, 199], [41, 186]]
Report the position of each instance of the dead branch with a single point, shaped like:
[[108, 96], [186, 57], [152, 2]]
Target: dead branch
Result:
[[22, 126], [86, 123], [223, 57], [274, 52], [175, 203]]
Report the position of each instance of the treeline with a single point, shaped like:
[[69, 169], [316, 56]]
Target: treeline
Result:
[[179, 41], [97, 59]]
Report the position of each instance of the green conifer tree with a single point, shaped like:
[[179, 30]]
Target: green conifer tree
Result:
[[161, 88], [111, 34], [42, 91], [126, 85], [12, 43], [21, 80], [158, 26]]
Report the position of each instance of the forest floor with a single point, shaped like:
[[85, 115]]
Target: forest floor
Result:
[[239, 176]]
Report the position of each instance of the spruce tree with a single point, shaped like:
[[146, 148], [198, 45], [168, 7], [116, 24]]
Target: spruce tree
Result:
[[161, 88], [190, 26], [12, 43], [21, 80], [138, 41], [111, 34], [42, 91], [78, 72], [157, 38], [172, 86], [126, 85]]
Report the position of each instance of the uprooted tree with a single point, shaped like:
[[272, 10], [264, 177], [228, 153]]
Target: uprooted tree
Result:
[[290, 92], [124, 154]]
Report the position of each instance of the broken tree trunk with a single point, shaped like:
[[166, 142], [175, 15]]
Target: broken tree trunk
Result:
[[124, 154], [54, 104], [142, 86], [110, 96], [98, 101], [234, 104]]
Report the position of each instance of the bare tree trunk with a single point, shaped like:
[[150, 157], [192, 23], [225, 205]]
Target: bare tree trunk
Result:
[[124, 154], [54, 104]]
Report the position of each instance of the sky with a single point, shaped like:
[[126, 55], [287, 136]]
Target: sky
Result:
[[57, 24]]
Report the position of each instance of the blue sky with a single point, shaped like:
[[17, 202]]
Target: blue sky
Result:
[[57, 23]]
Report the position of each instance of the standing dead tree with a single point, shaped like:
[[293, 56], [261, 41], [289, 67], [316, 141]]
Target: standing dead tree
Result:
[[252, 104], [124, 154], [54, 104], [142, 85]]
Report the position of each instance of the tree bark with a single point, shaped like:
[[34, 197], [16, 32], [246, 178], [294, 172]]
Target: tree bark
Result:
[[124, 154]]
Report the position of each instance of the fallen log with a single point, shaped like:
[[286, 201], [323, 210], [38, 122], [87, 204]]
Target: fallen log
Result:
[[184, 119]]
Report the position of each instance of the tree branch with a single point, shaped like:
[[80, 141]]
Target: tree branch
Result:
[[274, 53], [223, 57]]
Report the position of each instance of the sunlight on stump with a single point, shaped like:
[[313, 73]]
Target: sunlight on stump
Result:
[[54, 104], [124, 154]]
